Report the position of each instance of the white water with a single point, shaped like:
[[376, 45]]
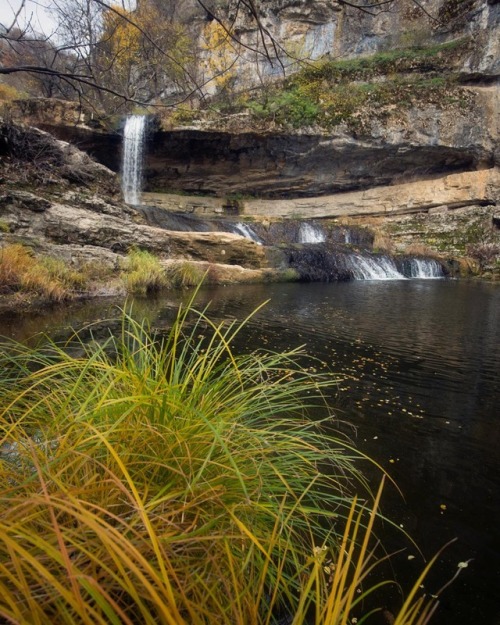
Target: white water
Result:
[[425, 269], [247, 232], [133, 154], [373, 268], [311, 234]]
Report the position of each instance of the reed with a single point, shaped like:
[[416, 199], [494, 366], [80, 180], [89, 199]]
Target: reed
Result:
[[164, 479]]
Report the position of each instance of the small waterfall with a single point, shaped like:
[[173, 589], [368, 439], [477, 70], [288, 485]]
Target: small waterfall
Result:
[[423, 268], [247, 232], [309, 233], [328, 262], [133, 154], [347, 237], [373, 268]]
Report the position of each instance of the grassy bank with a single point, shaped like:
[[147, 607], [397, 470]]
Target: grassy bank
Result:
[[150, 479], [26, 277]]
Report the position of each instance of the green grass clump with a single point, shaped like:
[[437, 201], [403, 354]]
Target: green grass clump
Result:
[[287, 107], [163, 479], [411, 59], [185, 274], [143, 273]]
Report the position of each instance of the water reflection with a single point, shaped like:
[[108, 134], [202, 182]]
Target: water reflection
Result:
[[421, 383]]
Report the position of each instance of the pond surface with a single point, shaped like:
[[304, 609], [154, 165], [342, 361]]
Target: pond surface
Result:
[[420, 381]]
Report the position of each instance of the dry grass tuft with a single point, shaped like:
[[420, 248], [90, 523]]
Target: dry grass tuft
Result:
[[47, 277]]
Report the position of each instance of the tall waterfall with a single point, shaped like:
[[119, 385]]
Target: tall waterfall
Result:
[[309, 233], [133, 154]]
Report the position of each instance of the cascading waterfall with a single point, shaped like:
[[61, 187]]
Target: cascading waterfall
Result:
[[309, 233], [247, 232], [134, 134], [373, 268], [423, 268]]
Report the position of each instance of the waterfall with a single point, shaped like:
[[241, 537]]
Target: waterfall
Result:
[[373, 268], [133, 153], [309, 233], [247, 232], [424, 268]]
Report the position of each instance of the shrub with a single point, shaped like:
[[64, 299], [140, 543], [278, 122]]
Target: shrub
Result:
[[485, 253], [15, 262], [9, 93], [185, 274], [287, 107]]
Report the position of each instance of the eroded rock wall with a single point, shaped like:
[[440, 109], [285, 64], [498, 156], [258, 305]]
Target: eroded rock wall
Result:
[[314, 29]]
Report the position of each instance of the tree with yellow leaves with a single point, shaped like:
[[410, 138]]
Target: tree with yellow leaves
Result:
[[145, 53], [221, 55]]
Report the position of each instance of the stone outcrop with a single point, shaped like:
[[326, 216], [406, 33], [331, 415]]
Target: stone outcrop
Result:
[[395, 145], [32, 156], [41, 223], [454, 191], [452, 217], [479, 188], [416, 145], [76, 214]]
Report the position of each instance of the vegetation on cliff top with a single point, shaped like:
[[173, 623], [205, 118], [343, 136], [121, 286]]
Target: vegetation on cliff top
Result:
[[111, 57], [326, 93]]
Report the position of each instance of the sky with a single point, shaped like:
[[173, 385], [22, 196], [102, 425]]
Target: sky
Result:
[[38, 11]]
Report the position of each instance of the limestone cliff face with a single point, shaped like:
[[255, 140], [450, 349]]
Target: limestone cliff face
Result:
[[318, 28], [401, 145]]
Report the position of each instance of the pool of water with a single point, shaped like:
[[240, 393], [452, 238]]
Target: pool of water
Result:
[[419, 378]]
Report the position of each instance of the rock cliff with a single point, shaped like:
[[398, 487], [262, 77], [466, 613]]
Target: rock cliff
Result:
[[312, 29], [67, 206], [396, 121]]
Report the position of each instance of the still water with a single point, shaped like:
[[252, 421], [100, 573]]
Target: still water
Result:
[[419, 379]]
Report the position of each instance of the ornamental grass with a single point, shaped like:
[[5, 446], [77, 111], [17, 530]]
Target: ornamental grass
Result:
[[152, 478]]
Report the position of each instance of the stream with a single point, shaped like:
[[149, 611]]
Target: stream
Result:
[[419, 379]]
